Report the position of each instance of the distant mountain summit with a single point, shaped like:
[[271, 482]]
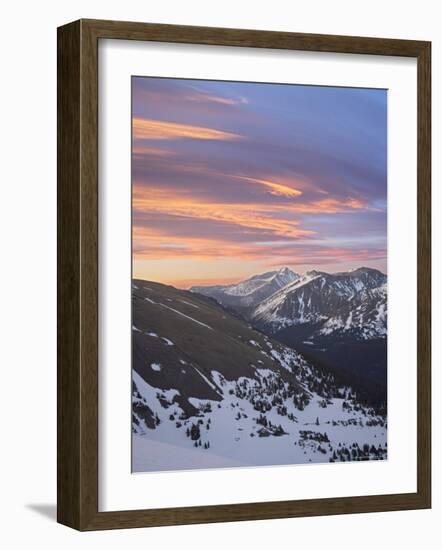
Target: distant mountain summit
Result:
[[249, 293]]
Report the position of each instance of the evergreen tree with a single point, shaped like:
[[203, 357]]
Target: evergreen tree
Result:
[[195, 432]]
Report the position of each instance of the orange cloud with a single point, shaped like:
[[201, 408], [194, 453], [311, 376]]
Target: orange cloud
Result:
[[152, 244], [194, 94], [154, 199], [277, 189], [328, 206], [272, 230], [156, 151], [254, 216], [274, 188], [145, 128], [149, 243]]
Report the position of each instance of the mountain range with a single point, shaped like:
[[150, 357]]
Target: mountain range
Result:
[[353, 302], [337, 320], [209, 389]]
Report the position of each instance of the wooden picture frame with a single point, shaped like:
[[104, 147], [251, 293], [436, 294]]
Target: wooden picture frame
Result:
[[78, 274]]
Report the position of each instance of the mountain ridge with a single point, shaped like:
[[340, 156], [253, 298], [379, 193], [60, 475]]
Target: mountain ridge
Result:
[[352, 301], [251, 291]]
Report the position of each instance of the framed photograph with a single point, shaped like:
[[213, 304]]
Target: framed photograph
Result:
[[243, 275]]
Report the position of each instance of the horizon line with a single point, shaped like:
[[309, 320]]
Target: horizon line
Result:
[[237, 281]]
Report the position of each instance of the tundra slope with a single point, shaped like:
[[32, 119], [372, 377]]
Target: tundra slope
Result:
[[211, 391]]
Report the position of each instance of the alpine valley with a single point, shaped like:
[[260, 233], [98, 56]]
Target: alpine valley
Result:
[[280, 368]]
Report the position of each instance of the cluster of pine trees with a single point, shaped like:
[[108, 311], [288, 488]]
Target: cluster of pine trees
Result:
[[268, 428], [357, 453], [142, 411], [314, 436], [194, 433]]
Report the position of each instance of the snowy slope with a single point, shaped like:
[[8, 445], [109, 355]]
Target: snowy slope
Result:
[[210, 391], [365, 316]]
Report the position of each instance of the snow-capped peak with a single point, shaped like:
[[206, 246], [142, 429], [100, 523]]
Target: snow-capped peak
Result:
[[285, 276], [314, 273], [278, 279], [251, 291]]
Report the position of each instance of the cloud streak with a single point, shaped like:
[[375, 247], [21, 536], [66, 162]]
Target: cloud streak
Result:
[[150, 129]]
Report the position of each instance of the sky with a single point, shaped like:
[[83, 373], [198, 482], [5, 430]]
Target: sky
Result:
[[231, 179]]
